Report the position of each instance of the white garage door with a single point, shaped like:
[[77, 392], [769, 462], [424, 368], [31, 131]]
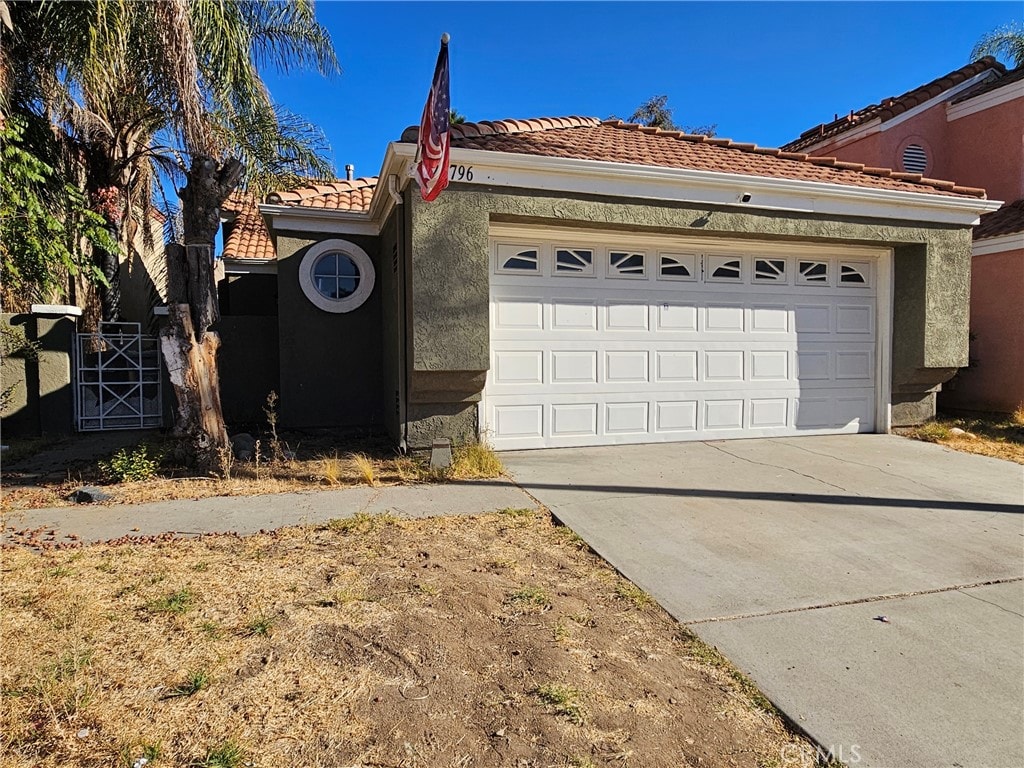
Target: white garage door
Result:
[[603, 339]]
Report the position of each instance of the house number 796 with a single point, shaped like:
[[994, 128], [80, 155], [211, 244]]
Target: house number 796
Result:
[[460, 172]]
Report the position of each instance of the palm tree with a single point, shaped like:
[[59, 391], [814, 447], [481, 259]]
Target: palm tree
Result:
[[655, 113], [1003, 42], [172, 88]]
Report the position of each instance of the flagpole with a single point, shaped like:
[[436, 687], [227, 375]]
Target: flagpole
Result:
[[445, 39]]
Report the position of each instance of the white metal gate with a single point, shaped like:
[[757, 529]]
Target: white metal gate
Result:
[[117, 379]]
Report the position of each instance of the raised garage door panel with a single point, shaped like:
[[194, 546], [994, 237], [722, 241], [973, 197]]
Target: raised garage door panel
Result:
[[594, 344]]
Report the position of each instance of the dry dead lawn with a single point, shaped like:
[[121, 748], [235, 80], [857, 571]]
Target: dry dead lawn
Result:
[[316, 469], [1001, 438], [491, 641]]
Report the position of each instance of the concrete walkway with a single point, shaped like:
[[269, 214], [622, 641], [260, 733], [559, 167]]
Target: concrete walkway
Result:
[[783, 553], [249, 514]]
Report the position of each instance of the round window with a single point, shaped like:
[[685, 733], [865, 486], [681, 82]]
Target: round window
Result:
[[336, 276]]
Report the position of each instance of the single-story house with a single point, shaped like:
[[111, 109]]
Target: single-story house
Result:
[[589, 282]]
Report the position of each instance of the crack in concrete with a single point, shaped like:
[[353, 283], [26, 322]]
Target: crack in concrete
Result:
[[846, 460], [776, 466], [857, 601], [371, 501], [997, 605]]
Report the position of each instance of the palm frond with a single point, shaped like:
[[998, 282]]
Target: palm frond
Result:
[[1003, 42]]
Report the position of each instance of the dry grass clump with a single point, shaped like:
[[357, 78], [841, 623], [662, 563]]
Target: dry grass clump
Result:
[[381, 641], [1000, 437], [332, 469], [366, 468], [1017, 417], [474, 461]]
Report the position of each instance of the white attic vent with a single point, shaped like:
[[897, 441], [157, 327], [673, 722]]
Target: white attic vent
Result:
[[915, 159]]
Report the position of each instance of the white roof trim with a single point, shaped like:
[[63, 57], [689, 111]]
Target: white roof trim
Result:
[[985, 101], [990, 245], [291, 217], [235, 266], [711, 187]]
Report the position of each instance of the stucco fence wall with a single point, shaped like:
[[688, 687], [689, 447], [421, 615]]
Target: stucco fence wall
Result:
[[42, 401], [450, 286]]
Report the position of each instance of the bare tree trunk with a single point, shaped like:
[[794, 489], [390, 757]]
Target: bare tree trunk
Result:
[[189, 347], [192, 368]]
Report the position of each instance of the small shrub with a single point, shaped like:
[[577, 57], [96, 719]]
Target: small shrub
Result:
[[367, 471], [131, 466], [474, 461], [561, 700]]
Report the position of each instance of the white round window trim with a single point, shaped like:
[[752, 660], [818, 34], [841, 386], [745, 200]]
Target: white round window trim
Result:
[[354, 300]]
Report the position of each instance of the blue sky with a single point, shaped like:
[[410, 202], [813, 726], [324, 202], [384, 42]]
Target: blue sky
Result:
[[764, 72]]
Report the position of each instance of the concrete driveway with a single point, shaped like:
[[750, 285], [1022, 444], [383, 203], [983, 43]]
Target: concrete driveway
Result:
[[782, 553]]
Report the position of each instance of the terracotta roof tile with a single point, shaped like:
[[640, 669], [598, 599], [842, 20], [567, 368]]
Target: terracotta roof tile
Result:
[[249, 237], [1008, 220], [991, 83], [588, 138], [344, 195], [896, 105]]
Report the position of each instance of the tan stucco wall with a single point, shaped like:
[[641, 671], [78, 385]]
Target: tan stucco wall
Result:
[[450, 282]]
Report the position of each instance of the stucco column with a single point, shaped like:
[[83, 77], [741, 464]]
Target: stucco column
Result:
[[450, 303]]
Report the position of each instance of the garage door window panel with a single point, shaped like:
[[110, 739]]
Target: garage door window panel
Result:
[[627, 264], [770, 270], [678, 266], [518, 259], [574, 261], [724, 269], [813, 273], [855, 274]]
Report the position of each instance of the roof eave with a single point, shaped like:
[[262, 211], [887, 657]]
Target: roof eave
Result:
[[295, 217], [712, 187]]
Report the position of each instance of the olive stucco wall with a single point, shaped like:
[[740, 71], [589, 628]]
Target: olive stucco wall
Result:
[[43, 399], [450, 287], [392, 296], [249, 367], [330, 363]]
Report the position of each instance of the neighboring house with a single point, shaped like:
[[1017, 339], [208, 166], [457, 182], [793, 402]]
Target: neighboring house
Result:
[[967, 125], [585, 283]]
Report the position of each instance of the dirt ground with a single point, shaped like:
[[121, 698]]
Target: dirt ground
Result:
[[492, 641]]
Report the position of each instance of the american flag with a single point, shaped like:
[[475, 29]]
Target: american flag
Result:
[[434, 144]]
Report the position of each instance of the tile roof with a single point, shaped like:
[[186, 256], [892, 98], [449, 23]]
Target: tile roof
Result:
[[344, 195], [991, 84], [249, 237], [589, 138], [895, 105], [1008, 220]]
